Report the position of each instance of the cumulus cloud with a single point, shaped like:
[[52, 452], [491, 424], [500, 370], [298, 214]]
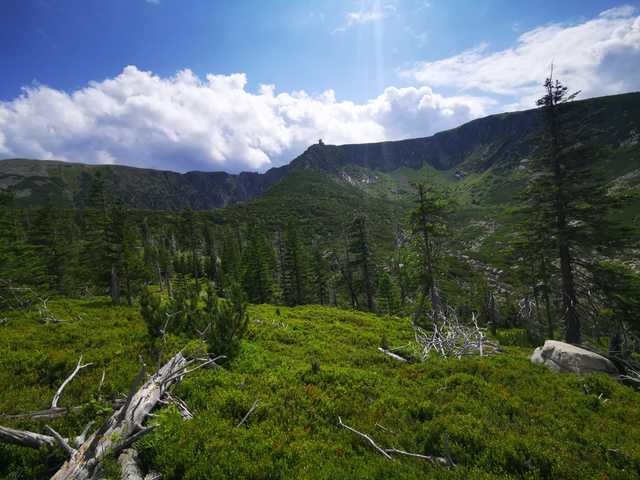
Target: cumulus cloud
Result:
[[185, 122], [598, 56]]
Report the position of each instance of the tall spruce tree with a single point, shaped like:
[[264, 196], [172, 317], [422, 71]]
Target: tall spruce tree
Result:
[[192, 242], [388, 295], [115, 248], [211, 255], [19, 261], [531, 250], [54, 238], [571, 200], [294, 268], [258, 266], [230, 259], [320, 276], [428, 224], [361, 257], [95, 256]]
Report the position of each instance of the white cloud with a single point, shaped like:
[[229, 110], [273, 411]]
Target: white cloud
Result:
[[185, 122], [598, 56], [367, 14], [617, 12]]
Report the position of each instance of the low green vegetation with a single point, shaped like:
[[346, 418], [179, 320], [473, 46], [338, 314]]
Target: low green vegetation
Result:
[[498, 417]]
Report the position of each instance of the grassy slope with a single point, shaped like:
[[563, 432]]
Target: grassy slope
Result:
[[504, 417]]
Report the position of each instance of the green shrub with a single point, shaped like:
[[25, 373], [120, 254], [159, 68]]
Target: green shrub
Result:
[[515, 337], [228, 322], [152, 313]]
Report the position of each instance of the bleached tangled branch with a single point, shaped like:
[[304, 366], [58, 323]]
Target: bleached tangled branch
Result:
[[389, 452], [449, 337]]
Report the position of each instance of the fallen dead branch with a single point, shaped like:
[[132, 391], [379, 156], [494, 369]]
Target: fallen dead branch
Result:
[[388, 452], [435, 460], [366, 437], [54, 411], [392, 355], [37, 440], [26, 439], [45, 315], [244, 419], [120, 431], [79, 366]]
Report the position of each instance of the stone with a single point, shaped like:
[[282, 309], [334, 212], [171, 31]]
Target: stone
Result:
[[567, 358]]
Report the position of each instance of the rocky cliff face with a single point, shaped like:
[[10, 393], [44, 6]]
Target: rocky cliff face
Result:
[[443, 150], [498, 139]]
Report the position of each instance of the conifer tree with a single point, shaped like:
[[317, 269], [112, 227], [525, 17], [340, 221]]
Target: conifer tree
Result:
[[320, 276], [388, 296], [54, 237], [19, 263], [346, 272], [361, 257], [151, 253], [531, 248], [190, 233], [619, 292], [95, 257], [42, 237], [257, 266], [229, 321], [230, 259], [427, 223], [115, 248], [294, 268], [211, 255], [165, 264], [572, 201]]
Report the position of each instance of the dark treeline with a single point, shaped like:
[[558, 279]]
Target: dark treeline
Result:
[[566, 278]]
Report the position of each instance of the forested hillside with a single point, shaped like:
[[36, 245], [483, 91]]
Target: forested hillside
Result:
[[390, 291]]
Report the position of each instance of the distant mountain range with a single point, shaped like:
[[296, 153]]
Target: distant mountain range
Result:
[[492, 143]]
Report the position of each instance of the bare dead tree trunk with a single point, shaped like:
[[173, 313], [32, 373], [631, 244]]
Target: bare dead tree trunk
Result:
[[120, 431]]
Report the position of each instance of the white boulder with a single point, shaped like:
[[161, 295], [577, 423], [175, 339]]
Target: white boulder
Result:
[[564, 357]]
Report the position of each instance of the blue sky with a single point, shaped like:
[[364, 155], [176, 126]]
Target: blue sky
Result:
[[126, 81]]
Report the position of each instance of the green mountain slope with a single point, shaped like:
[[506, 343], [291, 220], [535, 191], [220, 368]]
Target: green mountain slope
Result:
[[37, 182]]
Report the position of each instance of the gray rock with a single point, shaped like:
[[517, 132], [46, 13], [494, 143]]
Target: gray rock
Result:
[[564, 357]]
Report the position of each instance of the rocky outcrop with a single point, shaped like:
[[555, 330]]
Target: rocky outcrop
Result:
[[564, 357]]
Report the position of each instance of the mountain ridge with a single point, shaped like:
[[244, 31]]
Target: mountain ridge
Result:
[[474, 146]]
